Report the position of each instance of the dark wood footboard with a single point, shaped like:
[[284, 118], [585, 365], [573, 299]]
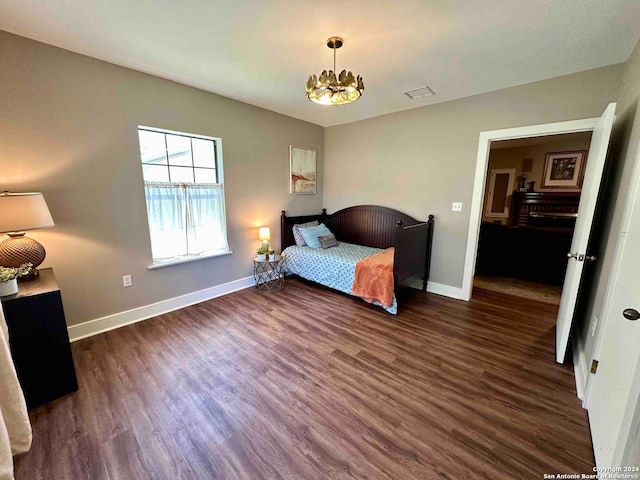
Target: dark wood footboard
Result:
[[412, 256], [378, 227]]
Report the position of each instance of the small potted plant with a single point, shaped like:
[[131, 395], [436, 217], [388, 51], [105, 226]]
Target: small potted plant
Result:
[[272, 255], [9, 278], [262, 254]]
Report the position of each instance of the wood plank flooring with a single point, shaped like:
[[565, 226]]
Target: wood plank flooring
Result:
[[308, 383]]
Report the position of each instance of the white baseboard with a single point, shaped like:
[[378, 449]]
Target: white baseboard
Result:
[[440, 289], [579, 368], [445, 290], [117, 320], [121, 319]]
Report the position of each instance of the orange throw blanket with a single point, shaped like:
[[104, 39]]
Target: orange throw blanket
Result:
[[373, 279]]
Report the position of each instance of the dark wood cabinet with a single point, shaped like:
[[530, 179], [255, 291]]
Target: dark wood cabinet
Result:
[[535, 244], [545, 209], [529, 253], [39, 340]]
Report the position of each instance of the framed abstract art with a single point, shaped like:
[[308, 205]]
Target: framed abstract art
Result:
[[302, 170]]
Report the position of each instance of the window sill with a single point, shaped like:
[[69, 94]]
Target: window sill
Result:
[[168, 263]]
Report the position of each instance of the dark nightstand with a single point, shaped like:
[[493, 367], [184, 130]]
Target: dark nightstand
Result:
[[39, 340]]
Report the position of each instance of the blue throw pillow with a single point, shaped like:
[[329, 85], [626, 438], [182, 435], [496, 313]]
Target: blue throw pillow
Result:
[[297, 236], [311, 234]]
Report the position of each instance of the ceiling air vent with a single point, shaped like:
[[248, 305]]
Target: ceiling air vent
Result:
[[421, 92]]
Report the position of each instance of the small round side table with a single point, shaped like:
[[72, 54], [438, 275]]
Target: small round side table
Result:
[[269, 274]]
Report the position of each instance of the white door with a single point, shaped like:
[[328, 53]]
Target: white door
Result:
[[615, 387], [586, 209]]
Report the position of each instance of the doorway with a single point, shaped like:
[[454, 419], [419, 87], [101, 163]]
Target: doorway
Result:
[[482, 165], [577, 255], [527, 224]]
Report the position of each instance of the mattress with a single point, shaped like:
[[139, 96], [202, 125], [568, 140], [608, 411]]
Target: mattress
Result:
[[332, 267]]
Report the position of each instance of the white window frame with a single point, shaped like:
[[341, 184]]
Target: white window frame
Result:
[[220, 179]]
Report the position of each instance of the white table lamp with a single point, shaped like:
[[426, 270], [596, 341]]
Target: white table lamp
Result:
[[265, 236]]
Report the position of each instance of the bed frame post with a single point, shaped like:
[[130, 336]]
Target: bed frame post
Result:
[[427, 260], [283, 219]]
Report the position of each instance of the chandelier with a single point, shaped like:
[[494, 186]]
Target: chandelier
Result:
[[331, 90]]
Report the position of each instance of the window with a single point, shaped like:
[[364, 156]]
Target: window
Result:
[[184, 190]]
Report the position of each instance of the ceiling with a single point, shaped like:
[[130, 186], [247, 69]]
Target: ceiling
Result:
[[262, 51]]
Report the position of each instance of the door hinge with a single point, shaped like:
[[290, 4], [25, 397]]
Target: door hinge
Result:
[[594, 366]]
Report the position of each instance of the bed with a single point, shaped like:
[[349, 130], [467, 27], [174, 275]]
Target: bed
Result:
[[362, 231]]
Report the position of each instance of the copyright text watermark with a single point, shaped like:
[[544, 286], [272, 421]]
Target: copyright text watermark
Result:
[[599, 473]]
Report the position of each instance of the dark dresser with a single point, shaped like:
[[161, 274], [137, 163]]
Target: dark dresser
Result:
[[535, 243], [39, 340]]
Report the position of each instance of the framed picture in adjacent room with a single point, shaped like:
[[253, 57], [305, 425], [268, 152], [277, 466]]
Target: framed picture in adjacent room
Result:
[[564, 170], [302, 170]]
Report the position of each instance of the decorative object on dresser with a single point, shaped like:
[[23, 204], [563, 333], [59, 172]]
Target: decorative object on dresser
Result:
[[20, 212], [564, 170], [522, 179], [361, 231], [9, 278], [302, 170], [39, 340]]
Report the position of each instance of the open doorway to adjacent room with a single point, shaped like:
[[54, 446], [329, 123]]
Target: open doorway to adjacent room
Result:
[[530, 207]]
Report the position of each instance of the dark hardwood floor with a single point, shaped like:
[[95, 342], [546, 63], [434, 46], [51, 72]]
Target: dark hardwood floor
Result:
[[308, 383]]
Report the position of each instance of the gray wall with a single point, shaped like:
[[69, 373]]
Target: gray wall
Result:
[[421, 160], [68, 128], [623, 153]]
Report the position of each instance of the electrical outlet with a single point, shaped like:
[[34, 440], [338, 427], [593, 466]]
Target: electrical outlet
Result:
[[456, 207], [594, 323], [126, 281]]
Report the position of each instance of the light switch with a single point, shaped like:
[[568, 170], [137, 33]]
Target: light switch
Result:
[[456, 207]]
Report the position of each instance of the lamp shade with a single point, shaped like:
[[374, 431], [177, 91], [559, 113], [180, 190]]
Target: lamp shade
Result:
[[265, 233], [23, 211], [20, 212]]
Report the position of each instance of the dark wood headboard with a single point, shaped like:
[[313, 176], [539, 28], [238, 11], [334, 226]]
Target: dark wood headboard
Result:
[[378, 227], [369, 225], [287, 223]]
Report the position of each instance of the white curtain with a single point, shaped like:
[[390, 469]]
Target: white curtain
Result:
[[15, 429], [186, 219]]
